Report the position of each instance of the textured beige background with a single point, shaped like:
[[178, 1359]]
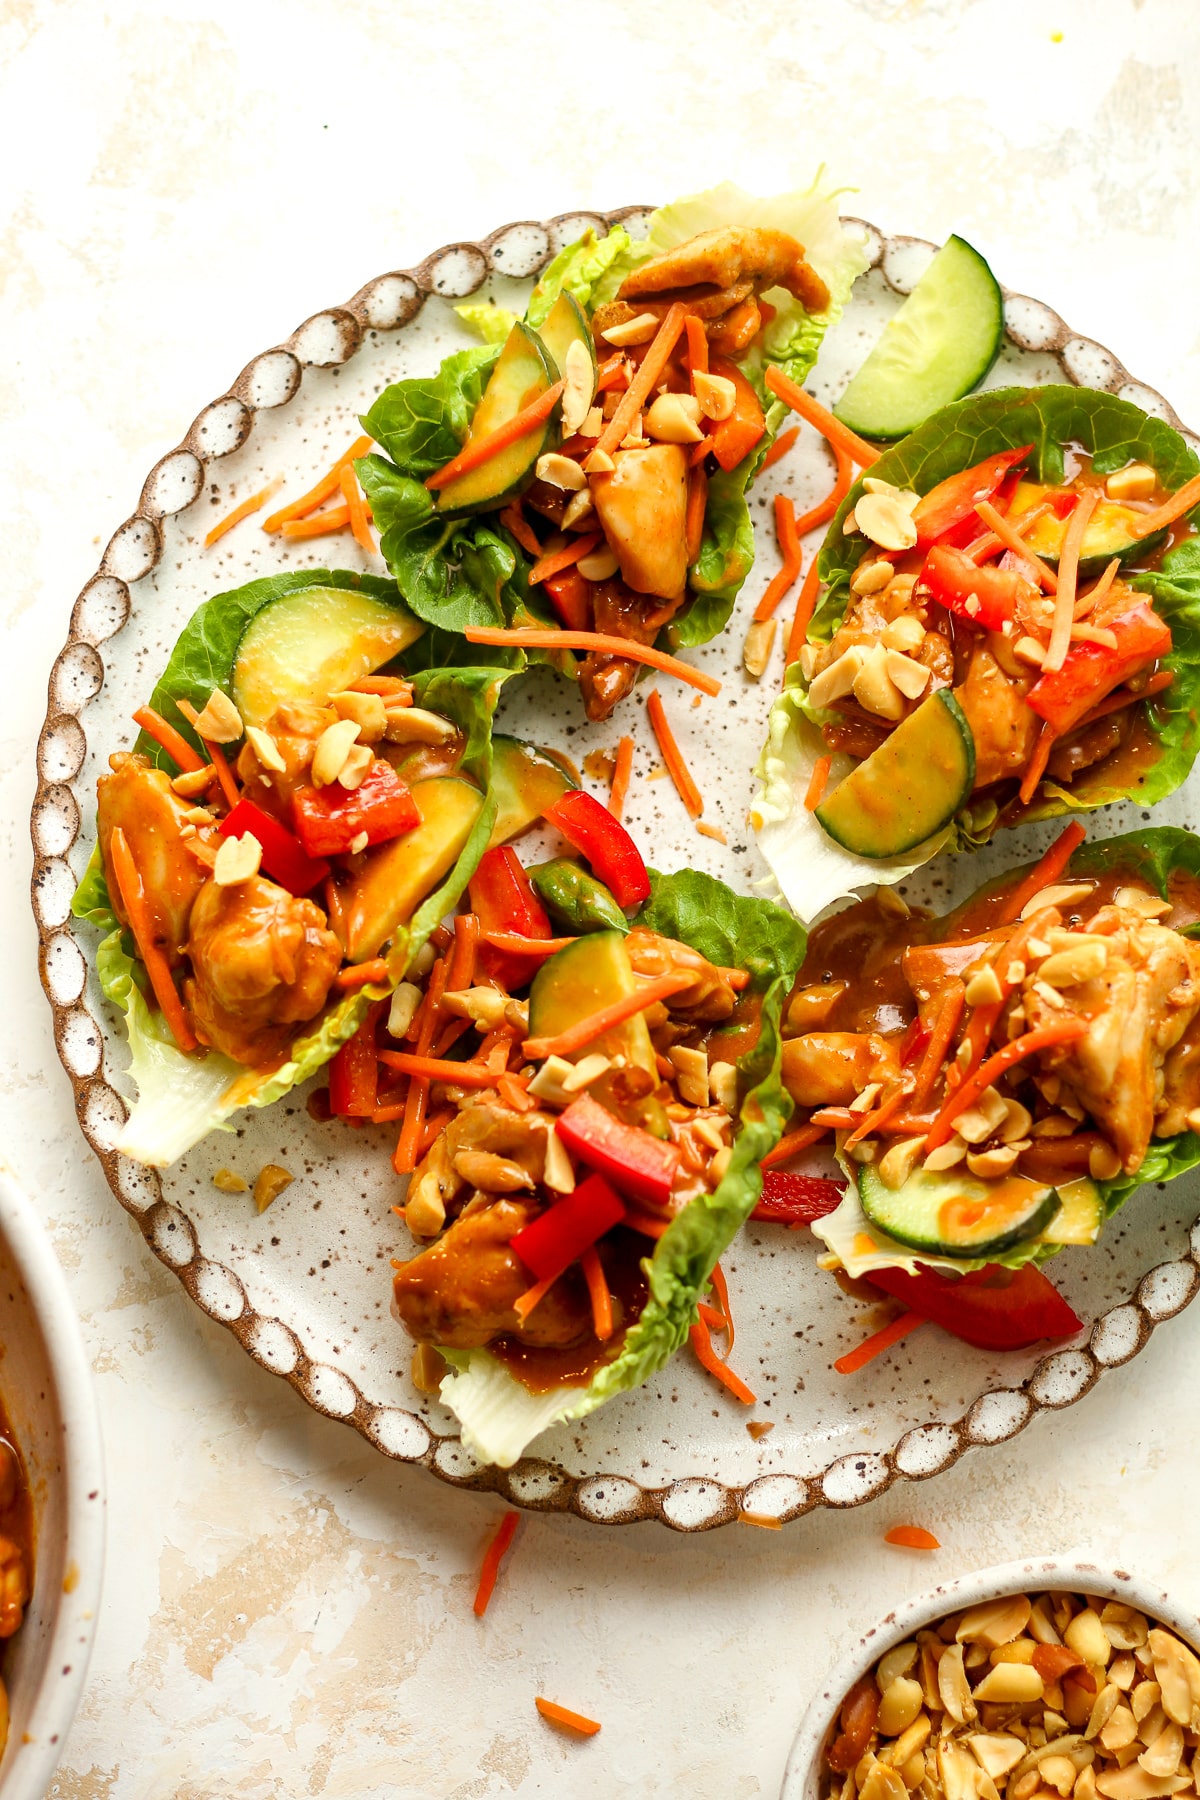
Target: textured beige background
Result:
[[286, 1613]]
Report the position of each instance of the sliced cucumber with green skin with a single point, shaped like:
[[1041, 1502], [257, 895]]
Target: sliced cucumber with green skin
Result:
[[563, 326], [313, 643], [909, 788], [587, 975], [525, 782], [951, 1213], [1109, 532], [522, 372], [940, 344], [1080, 1216]]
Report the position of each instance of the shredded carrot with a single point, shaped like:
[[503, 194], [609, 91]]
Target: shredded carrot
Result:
[[436, 1068], [911, 1537], [622, 770], [877, 1343], [598, 1294], [559, 1715], [1068, 580], [1115, 702], [602, 641], [224, 773], [1010, 536], [1170, 510], [650, 368], [555, 561], [475, 452], [823, 511], [818, 782], [789, 549], [693, 519], [611, 372], [1037, 762], [699, 451], [793, 395], [1045, 873], [1088, 602], [792, 1143], [388, 687], [141, 924], [872, 1122], [493, 1556], [356, 507], [585, 1031], [708, 1359], [461, 972], [711, 831], [172, 741], [523, 946], [781, 446], [513, 516], [712, 1316], [335, 518], [805, 606], [526, 1302], [324, 489], [513, 1094], [835, 1118], [1061, 1031], [721, 1290], [697, 345], [251, 504], [763, 1519], [646, 1223], [672, 755], [404, 1160], [361, 974], [937, 1049]]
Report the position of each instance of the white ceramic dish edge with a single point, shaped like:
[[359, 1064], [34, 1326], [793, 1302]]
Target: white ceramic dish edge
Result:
[[47, 1381], [1033, 1573]]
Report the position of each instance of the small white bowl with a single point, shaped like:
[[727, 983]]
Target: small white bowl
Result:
[[1036, 1575], [46, 1383]]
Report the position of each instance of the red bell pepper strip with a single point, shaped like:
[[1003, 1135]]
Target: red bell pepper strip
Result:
[[733, 438], [982, 595], [606, 844], [992, 1308], [503, 898], [789, 1199], [641, 1166], [572, 1225], [283, 856], [329, 819], [354, 1071], [946, 514], [571, 597], [1091, 671]]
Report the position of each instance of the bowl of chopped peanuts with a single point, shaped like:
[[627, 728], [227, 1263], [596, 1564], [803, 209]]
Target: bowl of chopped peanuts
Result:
[[51, 1503], [1038, 1680]]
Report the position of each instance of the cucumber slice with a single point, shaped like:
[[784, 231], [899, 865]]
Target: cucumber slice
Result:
[[949, 1213], [522, 372], [395, 877], [909, 788], [940, 344], [1109, 532], [563, 326], [591, 973], [308, 645], [1080, 1216], [525, 782]]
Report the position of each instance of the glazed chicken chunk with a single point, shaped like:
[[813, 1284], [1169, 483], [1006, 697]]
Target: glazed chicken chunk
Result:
[[642, 507], [727, 256], [137, 799]]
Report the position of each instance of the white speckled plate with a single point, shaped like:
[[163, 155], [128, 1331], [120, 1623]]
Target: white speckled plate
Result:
[[305, 1288]]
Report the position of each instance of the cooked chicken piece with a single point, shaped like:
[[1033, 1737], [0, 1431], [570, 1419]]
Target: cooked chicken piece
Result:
[[1138, 1009], [1004, 728], [294, 729], [810, 1006], [137, 798], [1070, 756], [262, 963], [709, 999], [729, 254], [461, 1291], [731, 335], [828, 1068], [1181, 1084], [710, 304], [481, 1128], [618, 611], [642, 508]]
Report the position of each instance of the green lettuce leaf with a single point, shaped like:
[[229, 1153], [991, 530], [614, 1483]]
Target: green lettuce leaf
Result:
[[422, 423], [499, 1417], [580, 269], [726, 552], [493, 323]]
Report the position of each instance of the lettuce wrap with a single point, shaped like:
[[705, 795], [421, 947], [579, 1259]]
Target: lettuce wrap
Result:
[[500, 1417], [813, 870]]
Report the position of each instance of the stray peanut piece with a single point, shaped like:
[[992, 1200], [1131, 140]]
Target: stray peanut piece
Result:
[[238, 859], [228, 1182], [269, 1183]]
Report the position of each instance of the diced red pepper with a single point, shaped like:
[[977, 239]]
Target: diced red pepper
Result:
[[605, 842], [329, 819], [789, 1199], [984, 596], [915, 1042], [992, 1308], [283, 856], [568, 1228], [1090, 671], [946, 514], [639, 1165], [734, 438], [503, 897], [571, 596], [354, 1071]]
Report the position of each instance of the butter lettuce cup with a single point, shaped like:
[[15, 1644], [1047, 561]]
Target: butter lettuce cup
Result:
[[1009, 631]]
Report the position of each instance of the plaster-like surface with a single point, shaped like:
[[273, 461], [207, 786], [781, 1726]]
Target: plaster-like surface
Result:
[[286, 1613]]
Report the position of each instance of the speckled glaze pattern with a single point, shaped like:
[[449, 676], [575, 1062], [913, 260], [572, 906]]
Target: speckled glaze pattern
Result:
[[304, 1289]]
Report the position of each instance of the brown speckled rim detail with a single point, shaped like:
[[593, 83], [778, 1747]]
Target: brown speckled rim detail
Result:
[[328, 339]]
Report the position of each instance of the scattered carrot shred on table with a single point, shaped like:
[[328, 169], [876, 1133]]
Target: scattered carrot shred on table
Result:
[[817, 783], [793, 395], [324, 490], [762, 1519], [250, 504], [877, 1343], [711, 831], [493, 1556], [622, 770], [781, 446], [705, 1354], [789, 550], [673, 756], [561, 1715], [911, 1537], [805, 606], [356, 506], [334, 518]]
